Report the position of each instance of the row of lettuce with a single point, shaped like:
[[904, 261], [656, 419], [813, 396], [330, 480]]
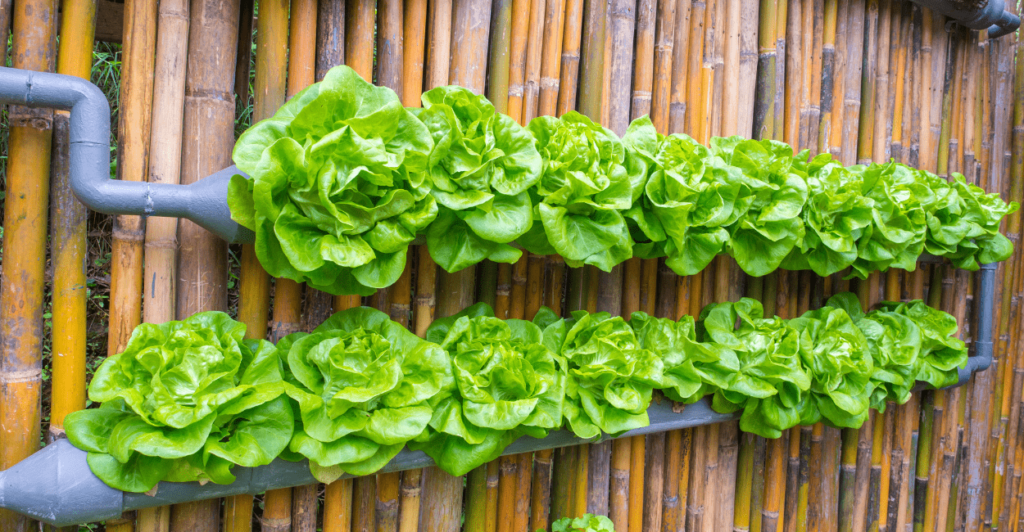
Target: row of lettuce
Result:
[[344, 178], [189, 400]]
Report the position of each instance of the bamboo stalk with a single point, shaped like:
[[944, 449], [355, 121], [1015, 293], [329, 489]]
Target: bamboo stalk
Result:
[[356, 500], [551, 57], [828, 75], [208, 141], [77, 28], [846, 135], [622, 22], [865, 139], [161, 247], [593, 60], [69, 230], [781, 21], [277, 511], [517, 57], [414, 37], [330, 36], [301, 74], [330, 51], [270, 93], [569, 71], [136, 102], [441, 501], [678, 101], [534, 47], [499, 60]]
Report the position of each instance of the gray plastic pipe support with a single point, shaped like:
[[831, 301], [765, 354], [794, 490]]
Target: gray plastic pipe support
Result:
[[991, 15], [204, 202]]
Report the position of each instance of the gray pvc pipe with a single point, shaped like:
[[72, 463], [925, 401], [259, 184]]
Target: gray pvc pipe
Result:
[[992, 15], [204, 202], [56, 486]]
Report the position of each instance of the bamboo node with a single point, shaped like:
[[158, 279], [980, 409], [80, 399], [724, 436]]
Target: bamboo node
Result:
[[515, 90], [14, 377], [426, 300], [549, 83], [30, 117], [128, 235]]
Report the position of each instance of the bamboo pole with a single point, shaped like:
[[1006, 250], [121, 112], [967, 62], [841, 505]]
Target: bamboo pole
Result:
[[254, 297], [330, 36], [161, 248], [354, 500], [395, 300], [569, 72], [777, 449], [563, 491], [208, 139], [517, 58], [677, 122], [570, 486], [550, 64], [829, 79], [288, 297], [441, 501], [494, 287], [136, 102], [69, 228], [534, 47], [499, 61], [846, 135], [609, 462]]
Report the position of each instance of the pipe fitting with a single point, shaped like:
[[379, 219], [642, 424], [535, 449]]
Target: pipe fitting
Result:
[[988, 15], [204, 202]]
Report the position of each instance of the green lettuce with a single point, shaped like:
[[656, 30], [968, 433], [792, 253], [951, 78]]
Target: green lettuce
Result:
[[587, 183], [508, 384], [186, 400], [895, 238], [835, 217], [692, 369], [964, 225], [942, 352], [771, 198], [483, 167], [688, 203], [364, 386], [771, 386], [339, 185], [611, 377], [836, 354]]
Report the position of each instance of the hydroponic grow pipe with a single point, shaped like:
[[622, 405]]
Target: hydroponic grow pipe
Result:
[[56, 486], [204, 202], [977, 14]]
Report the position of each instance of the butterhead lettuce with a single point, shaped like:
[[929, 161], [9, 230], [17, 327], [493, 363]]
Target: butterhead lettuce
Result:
[[508, 383], [339, 185], [364, 386], [483, 167], [186, 400]]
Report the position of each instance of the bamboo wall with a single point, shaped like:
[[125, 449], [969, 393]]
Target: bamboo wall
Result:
[[865, 80]]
